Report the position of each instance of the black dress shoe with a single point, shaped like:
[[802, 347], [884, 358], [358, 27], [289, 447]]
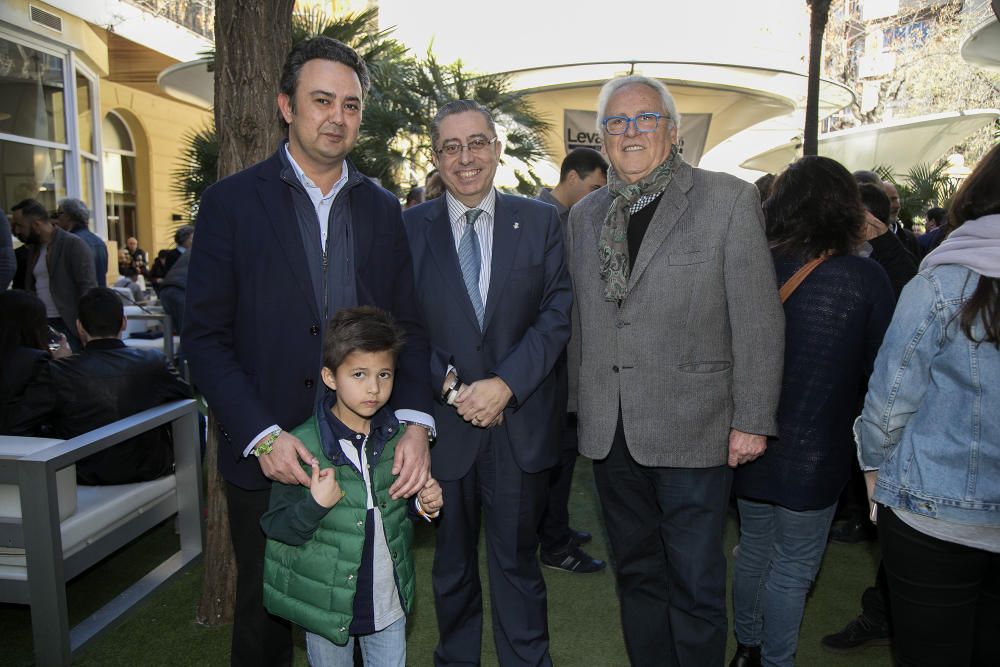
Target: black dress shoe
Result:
[[575, 560], [746, 656], [859, 633], [578, 538]]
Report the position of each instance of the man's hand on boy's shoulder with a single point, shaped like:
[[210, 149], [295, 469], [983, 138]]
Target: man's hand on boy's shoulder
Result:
[[284, 462], [412, 462]]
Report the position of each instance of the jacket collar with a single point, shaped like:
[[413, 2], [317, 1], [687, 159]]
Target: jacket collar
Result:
[[384, 426], [105, 344]]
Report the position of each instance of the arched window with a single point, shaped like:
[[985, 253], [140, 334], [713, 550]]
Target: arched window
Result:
[[118, 162]]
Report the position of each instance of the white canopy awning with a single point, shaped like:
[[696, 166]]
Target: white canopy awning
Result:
[[982, 46], [900, 144]]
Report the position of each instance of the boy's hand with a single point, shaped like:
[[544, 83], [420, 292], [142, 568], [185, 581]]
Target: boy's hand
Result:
[[431, 497], [324, 487]]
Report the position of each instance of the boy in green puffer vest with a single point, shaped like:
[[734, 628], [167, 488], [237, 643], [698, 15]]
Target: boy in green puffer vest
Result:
[[338, 558]]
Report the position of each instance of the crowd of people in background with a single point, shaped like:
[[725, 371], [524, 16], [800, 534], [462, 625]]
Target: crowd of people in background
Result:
[[791, 346]]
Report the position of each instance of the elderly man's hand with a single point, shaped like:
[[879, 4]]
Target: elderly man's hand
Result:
[[412, 462], [745, 447], [284, 462], [480, 402]]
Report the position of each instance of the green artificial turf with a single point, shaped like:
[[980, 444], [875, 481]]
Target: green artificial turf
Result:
[[583, 610]]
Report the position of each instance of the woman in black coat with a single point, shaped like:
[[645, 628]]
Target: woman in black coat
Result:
[[834, 322], [25, 353]]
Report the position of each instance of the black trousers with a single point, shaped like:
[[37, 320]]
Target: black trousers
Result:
[[945, 597], [666, 530], [511, 502], [258, 638], [554, 531]]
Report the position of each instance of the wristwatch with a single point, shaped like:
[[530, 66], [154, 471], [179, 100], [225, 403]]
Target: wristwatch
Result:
[[452, 391]]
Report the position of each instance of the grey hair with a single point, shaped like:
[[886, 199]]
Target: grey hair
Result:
[[183, 233], [76, 210], [459, 106], [612, 86]]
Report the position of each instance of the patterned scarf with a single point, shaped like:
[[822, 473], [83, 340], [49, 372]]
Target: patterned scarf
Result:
[[627, 199]]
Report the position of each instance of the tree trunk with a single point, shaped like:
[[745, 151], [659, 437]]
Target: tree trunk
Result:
[[819, 10], [252, 39], [218, 583]]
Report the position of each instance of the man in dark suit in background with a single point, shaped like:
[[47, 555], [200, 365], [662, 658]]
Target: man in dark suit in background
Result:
[[582, 171], [74, 217], [494, 293], [106, 382], [282, 246], [60, 268]]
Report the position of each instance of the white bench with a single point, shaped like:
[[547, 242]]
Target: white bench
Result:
[[55, 531]]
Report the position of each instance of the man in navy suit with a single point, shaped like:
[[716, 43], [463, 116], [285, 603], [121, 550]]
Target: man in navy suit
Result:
[[282, 246], [495, 296]]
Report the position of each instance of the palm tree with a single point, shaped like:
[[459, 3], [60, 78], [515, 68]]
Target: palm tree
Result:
[[524, 127], [199, 167], [819, 10], [922, 187], [405, 95]]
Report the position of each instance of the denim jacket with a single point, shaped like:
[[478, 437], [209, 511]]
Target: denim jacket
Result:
[[931, 420]]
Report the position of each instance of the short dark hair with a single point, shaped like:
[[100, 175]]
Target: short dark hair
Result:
[[874, 198], [101, 312], [182, 234], [320, 48], [583, 161], [415, 195], [763, 185], [365, 329], [814, 207], [31, 208], [455, 107], [937, 214], [867, 176]]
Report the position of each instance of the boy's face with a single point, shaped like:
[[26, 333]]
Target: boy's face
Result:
[[363, 382]]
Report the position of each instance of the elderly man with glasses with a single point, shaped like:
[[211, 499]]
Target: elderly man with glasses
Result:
[[495, 296], [677, 346]]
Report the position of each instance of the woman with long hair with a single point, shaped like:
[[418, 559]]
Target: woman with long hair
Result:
[[834, 321], [24, 357], [930, 435]]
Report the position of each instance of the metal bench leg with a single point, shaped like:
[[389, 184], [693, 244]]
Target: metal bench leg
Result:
[[43, 552]]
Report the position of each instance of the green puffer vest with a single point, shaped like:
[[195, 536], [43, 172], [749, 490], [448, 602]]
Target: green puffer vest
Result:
[[313, 585]]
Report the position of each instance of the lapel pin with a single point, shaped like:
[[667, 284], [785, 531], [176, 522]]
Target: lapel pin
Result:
[[517, 225]]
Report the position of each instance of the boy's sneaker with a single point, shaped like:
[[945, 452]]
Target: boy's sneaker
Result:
[[575, 560], [858, 634]]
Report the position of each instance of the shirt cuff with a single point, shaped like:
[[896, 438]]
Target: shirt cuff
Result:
[[423, 514], [267, 431], [418, 417]]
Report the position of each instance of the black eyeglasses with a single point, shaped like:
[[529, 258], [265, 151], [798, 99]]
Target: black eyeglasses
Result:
[[644, 123], [474, 146]]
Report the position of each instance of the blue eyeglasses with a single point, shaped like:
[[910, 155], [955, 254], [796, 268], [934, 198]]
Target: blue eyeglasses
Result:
[[644, 122]]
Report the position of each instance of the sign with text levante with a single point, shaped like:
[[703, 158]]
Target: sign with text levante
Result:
[[580, 129]]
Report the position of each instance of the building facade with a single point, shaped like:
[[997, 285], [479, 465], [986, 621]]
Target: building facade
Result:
[[81, 114]]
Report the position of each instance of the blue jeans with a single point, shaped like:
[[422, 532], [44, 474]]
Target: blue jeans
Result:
[[385, 648], [780, 553]]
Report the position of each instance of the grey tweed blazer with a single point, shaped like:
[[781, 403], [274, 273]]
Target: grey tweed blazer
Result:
[[696, 347]]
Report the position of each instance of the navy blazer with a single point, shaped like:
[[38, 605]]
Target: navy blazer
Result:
[[527, 326], [252, 326]]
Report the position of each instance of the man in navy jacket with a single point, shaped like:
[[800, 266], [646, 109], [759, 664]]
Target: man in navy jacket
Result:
[[281, 247], [496, 297]]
